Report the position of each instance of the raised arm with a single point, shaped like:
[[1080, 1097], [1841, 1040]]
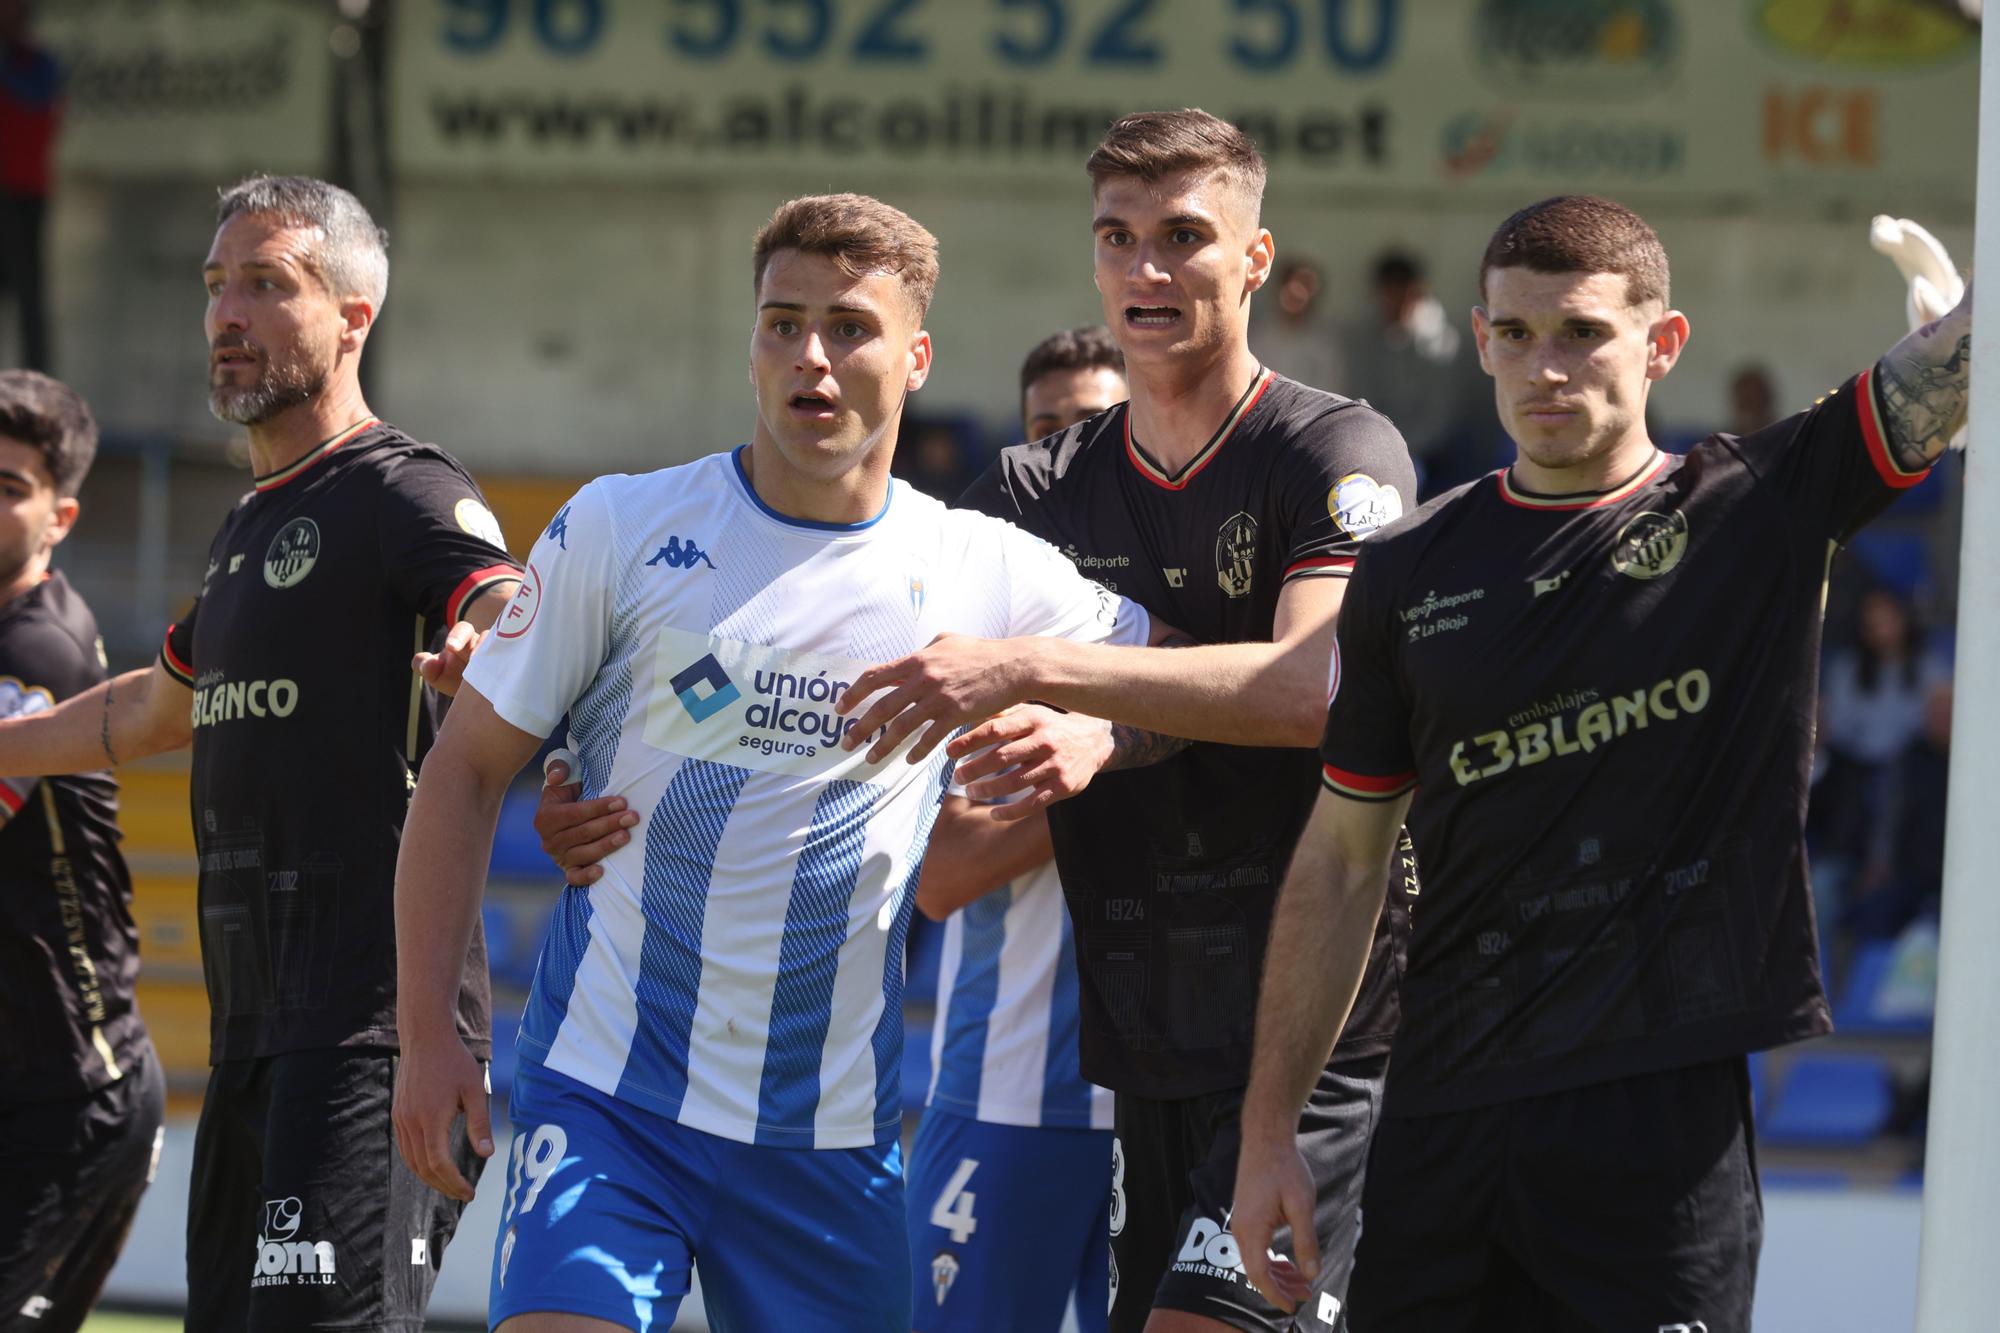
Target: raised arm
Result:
[[1321, 933], [1924, 381], [440, 877], [128, 717], [1235, 693]]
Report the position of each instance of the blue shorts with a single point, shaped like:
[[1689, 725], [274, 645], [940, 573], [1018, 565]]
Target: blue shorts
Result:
[[608, 1206], [1005, 1222]]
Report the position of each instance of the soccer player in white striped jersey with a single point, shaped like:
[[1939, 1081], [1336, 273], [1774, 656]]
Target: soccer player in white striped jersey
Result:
[[712, 1045], [1010, 1171]]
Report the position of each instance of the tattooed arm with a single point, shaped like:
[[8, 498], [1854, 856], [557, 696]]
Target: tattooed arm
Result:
[[1923, 384]]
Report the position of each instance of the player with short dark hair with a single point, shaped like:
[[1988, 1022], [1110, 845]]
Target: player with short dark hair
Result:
[[1229, 501], [1596, 673], [356, 548], [1010, 1170], [712, 1049], [83, 1094]]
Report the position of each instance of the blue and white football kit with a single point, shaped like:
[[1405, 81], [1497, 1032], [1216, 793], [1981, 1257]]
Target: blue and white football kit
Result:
[[712, 1045], [1010, 1172]]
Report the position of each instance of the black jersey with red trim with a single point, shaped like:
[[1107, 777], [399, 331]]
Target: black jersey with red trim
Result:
[[1606, 704], [309, 727], [69, 953], [1171, 871]]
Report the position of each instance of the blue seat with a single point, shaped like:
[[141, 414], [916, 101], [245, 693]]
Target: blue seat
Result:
[[1830, 1101], [1854, 1010], [1899, 561], [503, 941]]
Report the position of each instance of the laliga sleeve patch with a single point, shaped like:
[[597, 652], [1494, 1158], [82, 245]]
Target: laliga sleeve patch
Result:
[[1360, 504], [478, 520]]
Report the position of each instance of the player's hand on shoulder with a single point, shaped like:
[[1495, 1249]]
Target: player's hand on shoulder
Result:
[[437, 1080], [1274, 1189], [956, 680], [442, 671], [1051, 755], [578, 834]]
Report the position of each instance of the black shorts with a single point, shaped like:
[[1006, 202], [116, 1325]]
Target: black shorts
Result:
[[301, 1213], [71, 1173], [1173, 1179], [1631, 1204]]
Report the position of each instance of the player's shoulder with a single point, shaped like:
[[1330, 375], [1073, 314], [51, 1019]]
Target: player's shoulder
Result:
[[1293, 410], [49, 638], [1037, 467], [1397, 548], [392, 455]]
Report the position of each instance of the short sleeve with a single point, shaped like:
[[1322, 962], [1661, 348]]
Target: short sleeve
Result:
[[549, 641], [1047, 597], [441, 545], [1348, 476], [177, 650], [1832, 461], [1366, 747]]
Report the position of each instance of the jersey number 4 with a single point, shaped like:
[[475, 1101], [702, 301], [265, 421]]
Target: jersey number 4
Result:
[[953, 1209]]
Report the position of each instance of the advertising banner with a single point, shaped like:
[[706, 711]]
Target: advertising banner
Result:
[[1793, 102], [205, 88]]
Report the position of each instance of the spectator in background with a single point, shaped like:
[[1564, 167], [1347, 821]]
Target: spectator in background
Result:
[[30, 100], [1289, 334], [1753, 399], [1872, 705], [1412, 363], [1902, 876], [933, 457]]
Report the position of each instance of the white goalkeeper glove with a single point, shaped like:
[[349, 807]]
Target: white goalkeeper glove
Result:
[[1935, 287]]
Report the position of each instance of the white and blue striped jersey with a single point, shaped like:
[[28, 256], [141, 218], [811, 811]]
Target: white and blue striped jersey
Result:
[[739, 967], [1003, 1047]]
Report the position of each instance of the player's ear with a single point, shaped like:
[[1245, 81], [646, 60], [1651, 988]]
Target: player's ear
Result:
[[920, 360], [61, 522], [357, 317], [1482, 332], [1665, 339], [1262, 254]]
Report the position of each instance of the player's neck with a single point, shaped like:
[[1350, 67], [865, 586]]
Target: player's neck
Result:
[[1177, 406], [854, 497], [286, 438], [31, 576], [1600, 472]]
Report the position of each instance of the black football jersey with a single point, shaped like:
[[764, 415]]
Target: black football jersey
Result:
[[1171, 871], [1606, 704], [69, 953], [309, 727]]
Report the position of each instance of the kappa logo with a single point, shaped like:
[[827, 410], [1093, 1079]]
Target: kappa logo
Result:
[[1236, 554], [558, 529], [293, 553], [721, 692], [678, 555], [1650, 545], [944, 1272]]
